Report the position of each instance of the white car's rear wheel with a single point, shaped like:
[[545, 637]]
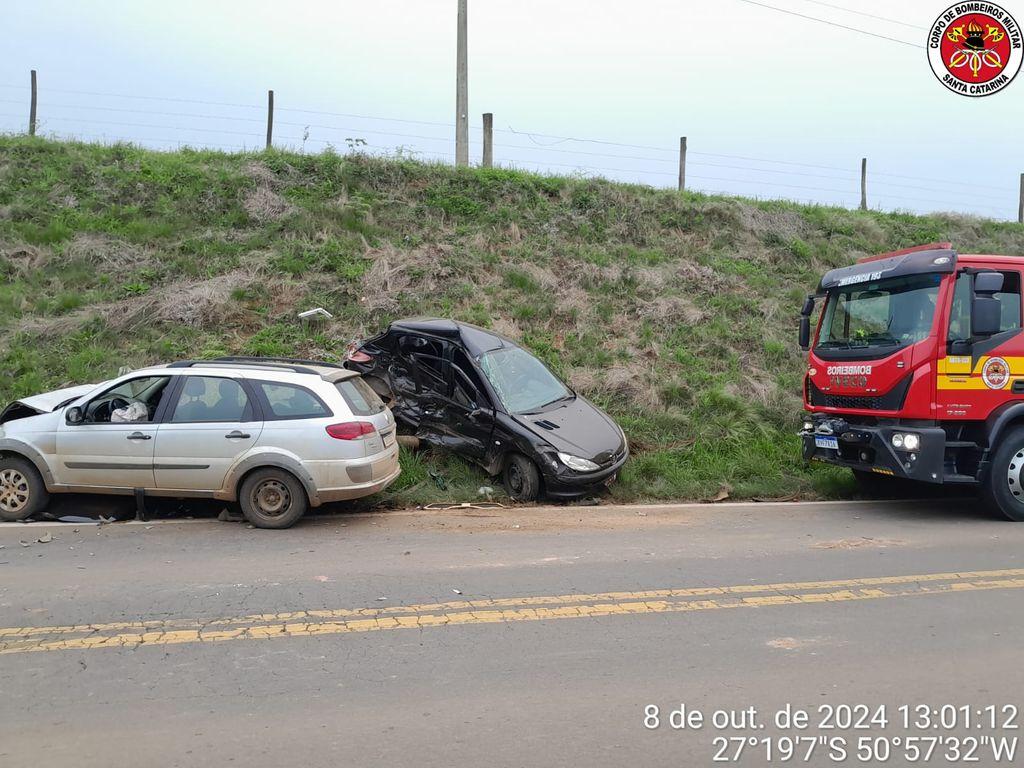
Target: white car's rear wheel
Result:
[[22, 491], [272, 498]]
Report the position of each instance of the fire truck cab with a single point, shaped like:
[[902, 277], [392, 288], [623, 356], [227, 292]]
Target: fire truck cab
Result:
[[916, 370]]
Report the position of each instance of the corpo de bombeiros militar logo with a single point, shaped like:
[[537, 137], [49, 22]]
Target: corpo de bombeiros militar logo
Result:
[[975, 49]]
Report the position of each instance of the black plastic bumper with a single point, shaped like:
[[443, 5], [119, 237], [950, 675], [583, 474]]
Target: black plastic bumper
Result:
[[870, 448], [567, 484]]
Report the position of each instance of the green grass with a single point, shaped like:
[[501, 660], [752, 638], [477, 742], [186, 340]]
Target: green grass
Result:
[[675, 312]]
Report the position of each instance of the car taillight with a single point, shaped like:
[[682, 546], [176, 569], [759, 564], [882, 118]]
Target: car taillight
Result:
[[356, 355], [351, 430]]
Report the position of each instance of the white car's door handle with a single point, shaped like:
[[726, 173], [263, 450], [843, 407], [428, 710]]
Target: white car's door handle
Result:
[[139, 436], [237, 435]]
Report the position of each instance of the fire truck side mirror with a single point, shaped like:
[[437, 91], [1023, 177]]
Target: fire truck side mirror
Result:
[[986, 309], [986, 313], [805, 323]]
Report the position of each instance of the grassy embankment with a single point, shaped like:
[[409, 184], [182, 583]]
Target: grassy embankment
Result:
[[675, 312]]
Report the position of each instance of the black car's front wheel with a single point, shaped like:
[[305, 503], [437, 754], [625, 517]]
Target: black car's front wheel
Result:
[[521, 478]]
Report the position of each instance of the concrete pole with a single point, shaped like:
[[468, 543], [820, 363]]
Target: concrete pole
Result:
[[682, 163], [488, 155], [863, 183], [462, 92]]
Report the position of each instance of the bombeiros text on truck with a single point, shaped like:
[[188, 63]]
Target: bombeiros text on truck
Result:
[[915, 370]]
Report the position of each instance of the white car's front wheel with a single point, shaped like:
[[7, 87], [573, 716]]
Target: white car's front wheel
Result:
[[22, 491]]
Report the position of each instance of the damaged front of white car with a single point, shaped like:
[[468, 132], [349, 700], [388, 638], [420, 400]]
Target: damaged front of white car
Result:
[[28, 434]]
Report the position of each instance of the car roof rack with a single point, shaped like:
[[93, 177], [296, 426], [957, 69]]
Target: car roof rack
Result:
[[253, 362], [287, 360]]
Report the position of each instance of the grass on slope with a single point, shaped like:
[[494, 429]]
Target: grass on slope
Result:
[[675, 312]]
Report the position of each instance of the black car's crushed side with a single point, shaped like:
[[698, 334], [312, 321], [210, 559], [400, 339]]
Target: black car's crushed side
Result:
[[431, 371]]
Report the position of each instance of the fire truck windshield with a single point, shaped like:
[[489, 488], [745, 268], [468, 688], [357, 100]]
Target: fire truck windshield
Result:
[[880, 313]]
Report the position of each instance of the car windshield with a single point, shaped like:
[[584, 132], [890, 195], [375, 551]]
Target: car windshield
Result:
[[881, 313], [522, 382]]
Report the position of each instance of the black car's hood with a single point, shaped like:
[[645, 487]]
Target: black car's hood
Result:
[[577, 427]]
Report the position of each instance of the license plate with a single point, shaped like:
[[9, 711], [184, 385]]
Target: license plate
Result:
[[831, 443]]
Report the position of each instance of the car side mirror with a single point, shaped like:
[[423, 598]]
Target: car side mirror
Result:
[[74, 415], [805, 332]]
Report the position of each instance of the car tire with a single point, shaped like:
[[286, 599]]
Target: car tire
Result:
[[521, 478], [1003, 490], [272, 498], [22, 490]]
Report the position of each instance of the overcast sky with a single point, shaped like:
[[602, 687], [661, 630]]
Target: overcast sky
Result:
[[744, 83]]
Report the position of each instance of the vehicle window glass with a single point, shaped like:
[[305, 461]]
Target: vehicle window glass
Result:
[[361, 398], [288, 401], [1009, 300], [135, 400], [522, 382], [884, 313], [469, 389], [960, 314], [210, 398]]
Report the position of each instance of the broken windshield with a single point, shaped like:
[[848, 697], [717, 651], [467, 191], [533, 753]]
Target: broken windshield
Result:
[[522, 382], [893, 312]]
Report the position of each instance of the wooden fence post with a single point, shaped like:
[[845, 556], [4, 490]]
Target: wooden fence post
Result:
[[863, 183], [270, 119], [488, 158], [32, 108], [682, 163], [1020, 205]]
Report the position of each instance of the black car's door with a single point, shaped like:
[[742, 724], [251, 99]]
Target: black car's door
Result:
[[418, 378], [469, 416]]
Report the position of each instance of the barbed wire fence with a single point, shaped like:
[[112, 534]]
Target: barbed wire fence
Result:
[[201, 123]]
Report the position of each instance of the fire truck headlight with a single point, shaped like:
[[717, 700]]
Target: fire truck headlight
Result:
[[911, 442], [808, 426], [897, 440]]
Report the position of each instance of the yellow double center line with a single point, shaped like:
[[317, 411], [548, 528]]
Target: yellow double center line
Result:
[[509, 609]]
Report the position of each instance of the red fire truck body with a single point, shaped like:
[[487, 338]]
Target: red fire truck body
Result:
[[916, 370]]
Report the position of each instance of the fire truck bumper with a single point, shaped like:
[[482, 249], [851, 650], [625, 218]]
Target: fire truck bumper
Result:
[[915, 453]]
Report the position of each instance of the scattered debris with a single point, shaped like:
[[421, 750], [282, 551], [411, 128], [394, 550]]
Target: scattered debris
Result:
[[439, 479], [323, 578], [457, 591], [382, 598], [24, 543], [227, 516], [723, 493], [486, 491]]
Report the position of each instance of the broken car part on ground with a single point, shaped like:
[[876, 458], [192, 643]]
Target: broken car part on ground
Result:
[[477, 393]]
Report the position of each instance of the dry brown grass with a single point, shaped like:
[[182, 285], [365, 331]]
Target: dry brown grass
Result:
[[189, 303]]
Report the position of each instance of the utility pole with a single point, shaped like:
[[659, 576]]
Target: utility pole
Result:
[[863, 183], [682, 163], [270, 119], [488, 154], [462, 91], [32, 107]]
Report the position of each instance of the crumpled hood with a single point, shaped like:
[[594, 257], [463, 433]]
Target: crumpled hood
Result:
[[576, 427], [47, 401]]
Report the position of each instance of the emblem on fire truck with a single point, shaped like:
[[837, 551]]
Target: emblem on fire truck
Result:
[[975, 48], [995, 373]]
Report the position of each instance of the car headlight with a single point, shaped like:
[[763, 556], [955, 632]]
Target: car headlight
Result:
[[897, 440], [911, 442], [577, 463]]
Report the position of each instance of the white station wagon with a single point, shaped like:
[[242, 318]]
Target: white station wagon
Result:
[[274, 434]]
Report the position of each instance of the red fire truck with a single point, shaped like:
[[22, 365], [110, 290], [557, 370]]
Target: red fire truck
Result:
[[916, 371]]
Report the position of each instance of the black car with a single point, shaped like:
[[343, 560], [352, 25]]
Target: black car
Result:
[[472, 391]]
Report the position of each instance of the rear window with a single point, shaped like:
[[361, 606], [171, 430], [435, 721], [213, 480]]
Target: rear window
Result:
[[291, 402], [360, 397]]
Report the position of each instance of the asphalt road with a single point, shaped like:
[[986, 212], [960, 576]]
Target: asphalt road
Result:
[[526, 638]]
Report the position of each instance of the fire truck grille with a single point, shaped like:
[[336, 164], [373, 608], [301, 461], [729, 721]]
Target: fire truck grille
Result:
[[890, 401]]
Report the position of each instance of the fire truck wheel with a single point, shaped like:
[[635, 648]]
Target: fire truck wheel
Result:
[[1005, 487]]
